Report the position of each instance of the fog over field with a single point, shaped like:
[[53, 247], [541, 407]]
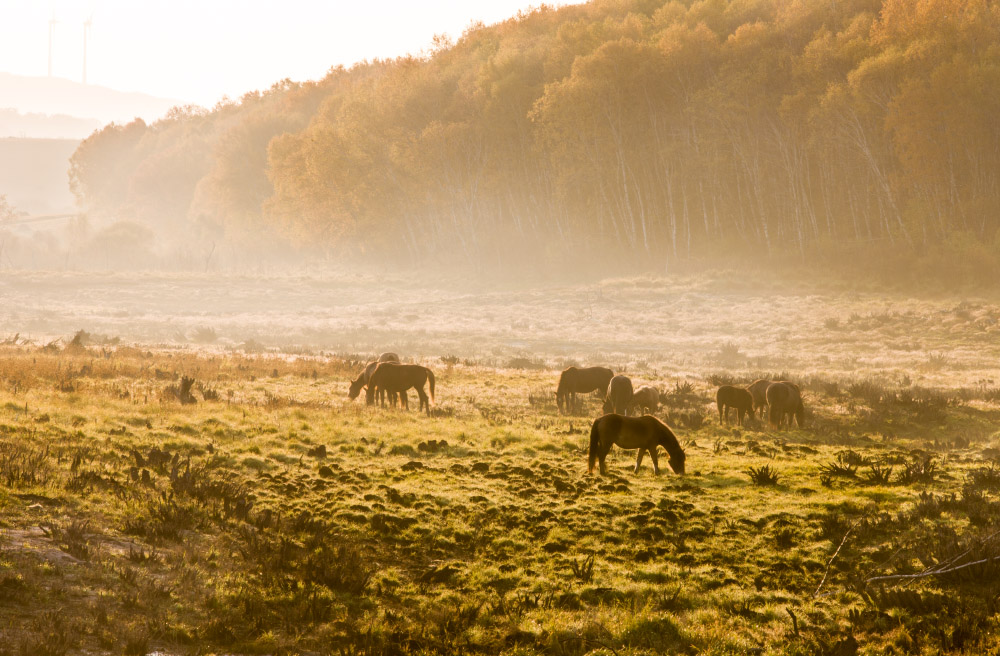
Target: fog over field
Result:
[[618, 328], [680, 325]]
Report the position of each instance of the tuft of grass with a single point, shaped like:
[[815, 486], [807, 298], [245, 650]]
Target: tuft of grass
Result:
[[839, 469], [23, 464], [763, 475], [583, 570], [878, 475]]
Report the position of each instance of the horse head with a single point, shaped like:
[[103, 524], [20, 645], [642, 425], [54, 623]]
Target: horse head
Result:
[[669, 442], [356, 386]]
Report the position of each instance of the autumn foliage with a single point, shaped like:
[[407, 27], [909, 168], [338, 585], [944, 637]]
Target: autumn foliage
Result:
[[635, 131]]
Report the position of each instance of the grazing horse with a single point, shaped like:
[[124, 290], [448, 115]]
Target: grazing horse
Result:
[[575, 381], [646, 399], [393, 377], [784, 398], [619, 396], [644, 433], [362, 380], [758, 390], [733, 397]]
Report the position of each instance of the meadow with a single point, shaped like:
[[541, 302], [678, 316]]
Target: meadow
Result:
[[274, 516]]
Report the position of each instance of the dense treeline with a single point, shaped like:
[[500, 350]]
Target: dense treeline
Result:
[[638, 131]]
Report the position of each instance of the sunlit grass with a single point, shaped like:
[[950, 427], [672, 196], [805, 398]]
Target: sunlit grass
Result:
[[132, 522]]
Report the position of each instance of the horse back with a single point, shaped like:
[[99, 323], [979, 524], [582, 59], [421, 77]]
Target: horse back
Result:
[[781, 393], [627, 432], [735, 397], [398, 377]]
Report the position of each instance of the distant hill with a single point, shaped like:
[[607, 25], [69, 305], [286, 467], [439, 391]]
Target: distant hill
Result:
[[55, 96], [34, 174], [44, 126]]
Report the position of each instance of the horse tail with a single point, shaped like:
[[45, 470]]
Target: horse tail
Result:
[[595, 445], [430, 381]]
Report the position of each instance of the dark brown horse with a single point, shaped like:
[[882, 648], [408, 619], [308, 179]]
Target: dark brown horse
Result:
[[758, 390], [733, 397], [644, 433], [362, 380], [646, 399], [575, 381], [393, 377], [784, 399], [619, 396]]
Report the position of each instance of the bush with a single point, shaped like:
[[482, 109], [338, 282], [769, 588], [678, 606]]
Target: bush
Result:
[[762, 476]]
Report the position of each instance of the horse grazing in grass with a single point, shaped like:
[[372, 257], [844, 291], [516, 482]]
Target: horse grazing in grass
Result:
[[784, 399], [758, 390], [619, 396], [733, 397], [575, 381], [644, 433], [394, 377], [362, 380], [646, 399]]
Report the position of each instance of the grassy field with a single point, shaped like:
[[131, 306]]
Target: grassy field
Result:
[[275, 516]]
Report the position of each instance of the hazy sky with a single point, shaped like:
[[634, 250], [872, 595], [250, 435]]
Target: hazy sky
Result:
[[199, 50]]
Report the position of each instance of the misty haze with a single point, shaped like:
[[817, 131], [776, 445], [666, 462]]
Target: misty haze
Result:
[[613, 328]]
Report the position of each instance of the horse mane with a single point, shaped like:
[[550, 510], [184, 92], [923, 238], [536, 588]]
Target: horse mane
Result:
[[669, 442], [563, 379]]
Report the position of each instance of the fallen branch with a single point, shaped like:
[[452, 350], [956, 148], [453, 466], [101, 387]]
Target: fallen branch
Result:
[[795, 621], [931, 572], [946, 567], [834, 557]]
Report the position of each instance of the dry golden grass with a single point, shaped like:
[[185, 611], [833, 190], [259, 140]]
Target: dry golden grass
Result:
[[282, 518]]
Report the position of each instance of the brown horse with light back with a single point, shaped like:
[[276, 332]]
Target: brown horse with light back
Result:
[[785, 399], [619, 396], [393, 377], [575, 381], [362, 380], [644, 433]]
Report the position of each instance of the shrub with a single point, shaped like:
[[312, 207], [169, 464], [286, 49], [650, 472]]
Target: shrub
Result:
[[763, 475]]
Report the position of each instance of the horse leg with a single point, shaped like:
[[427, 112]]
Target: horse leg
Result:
[[656, 461], [424, 401], [722, 419], [404, 401], [601, 457], [638, 460]]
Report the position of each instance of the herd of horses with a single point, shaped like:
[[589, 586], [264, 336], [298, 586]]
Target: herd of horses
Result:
[[627, 421], [620, 425], [386, 376]]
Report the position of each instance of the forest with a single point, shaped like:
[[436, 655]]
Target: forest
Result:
[[614, 136]]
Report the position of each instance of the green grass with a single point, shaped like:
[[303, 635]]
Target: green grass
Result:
[[130, 523]]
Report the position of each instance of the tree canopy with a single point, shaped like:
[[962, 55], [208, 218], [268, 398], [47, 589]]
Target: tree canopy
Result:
[[632, 130]]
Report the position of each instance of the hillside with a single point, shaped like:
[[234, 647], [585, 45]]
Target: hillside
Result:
[[612, 136], [33, 174], [45, 126], [54, 96]]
